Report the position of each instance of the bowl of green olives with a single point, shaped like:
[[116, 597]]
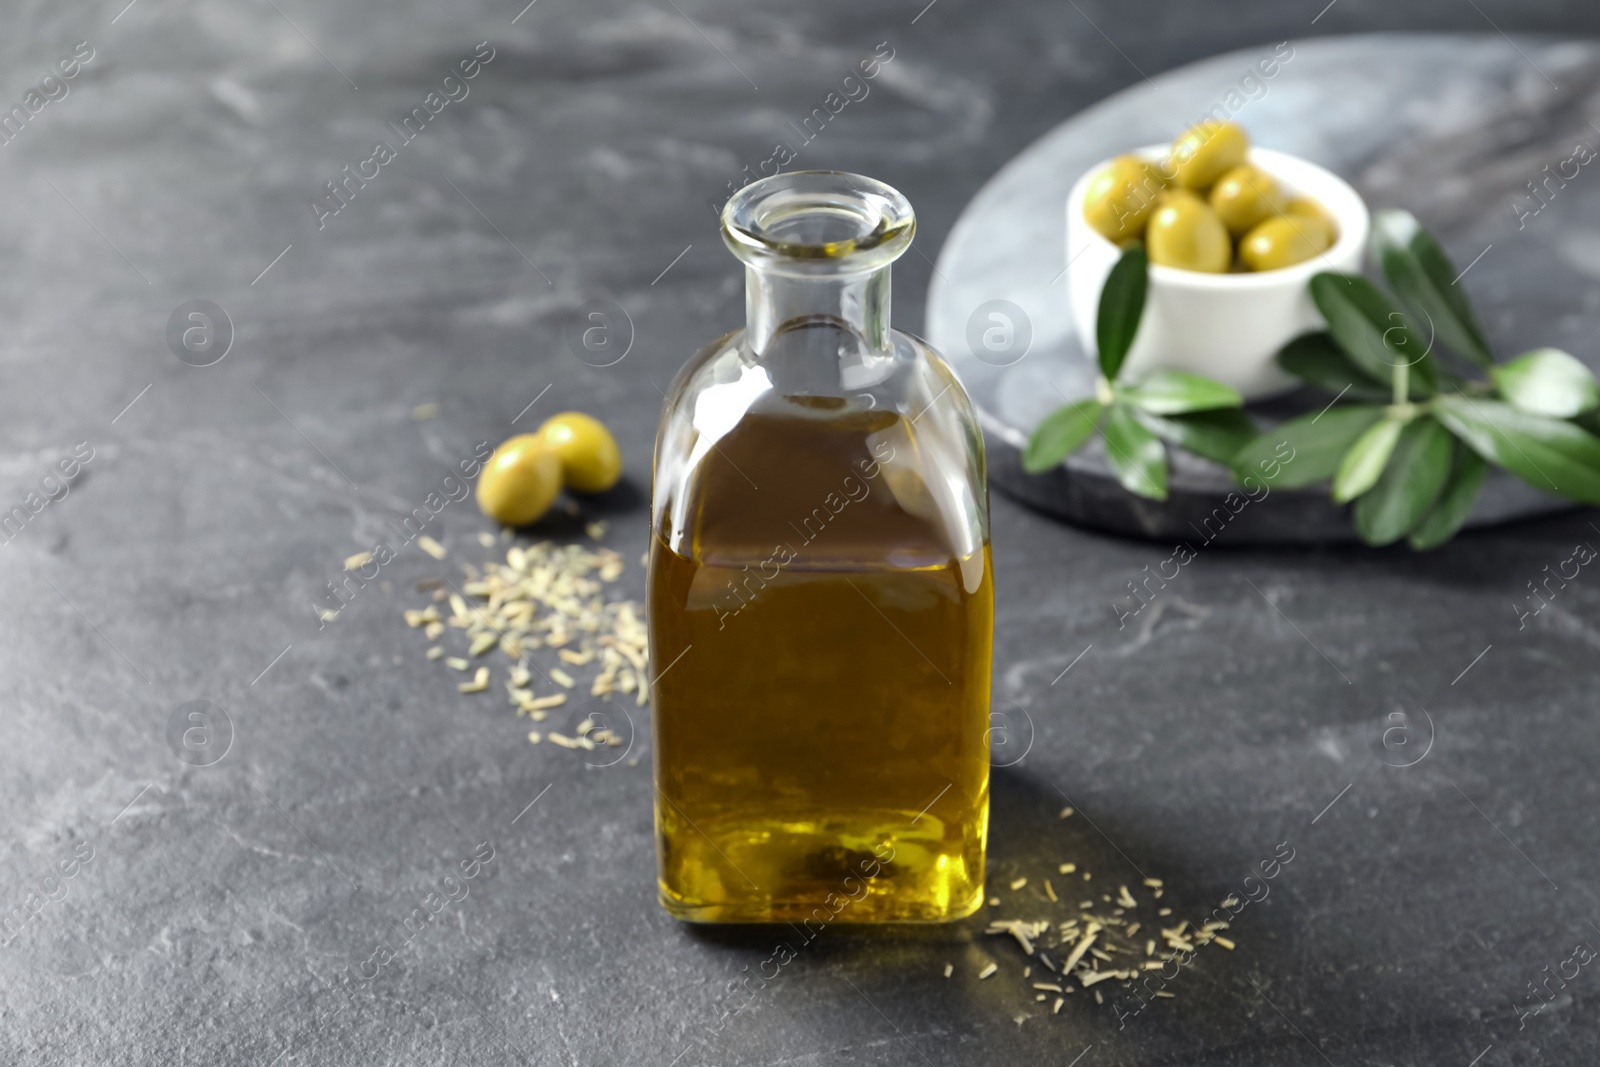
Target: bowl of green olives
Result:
[[1234, 234]]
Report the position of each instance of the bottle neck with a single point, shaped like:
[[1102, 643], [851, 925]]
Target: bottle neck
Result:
[[854, 307]]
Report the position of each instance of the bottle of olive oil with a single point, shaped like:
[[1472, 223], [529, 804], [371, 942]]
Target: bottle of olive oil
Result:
[[821, 603]]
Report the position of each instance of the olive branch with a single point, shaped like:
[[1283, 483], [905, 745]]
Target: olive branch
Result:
[[1135, 417], [1412, 428]]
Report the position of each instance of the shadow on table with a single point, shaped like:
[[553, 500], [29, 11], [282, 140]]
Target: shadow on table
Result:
[[569, 516]]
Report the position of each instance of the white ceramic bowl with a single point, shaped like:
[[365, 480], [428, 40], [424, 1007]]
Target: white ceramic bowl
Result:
[[1224, 326]]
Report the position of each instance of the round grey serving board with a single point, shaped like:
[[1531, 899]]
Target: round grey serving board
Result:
[[1450, 127]]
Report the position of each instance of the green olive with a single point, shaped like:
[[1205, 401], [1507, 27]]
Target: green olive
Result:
[[1186, 234], [590, 459], [1245, 197], [1304, 205], [1121, 198], [1206, 152], [520, 481], [1284, 241]]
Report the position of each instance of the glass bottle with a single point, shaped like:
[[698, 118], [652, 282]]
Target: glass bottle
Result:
[[821, 604]]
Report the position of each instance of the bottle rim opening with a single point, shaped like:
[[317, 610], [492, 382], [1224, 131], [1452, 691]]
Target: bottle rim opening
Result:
[[821, 221]]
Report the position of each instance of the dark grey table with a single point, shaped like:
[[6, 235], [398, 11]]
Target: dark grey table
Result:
[[210, 910]]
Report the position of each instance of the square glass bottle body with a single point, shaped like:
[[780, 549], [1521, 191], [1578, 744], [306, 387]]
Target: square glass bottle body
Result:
[[821, 613]]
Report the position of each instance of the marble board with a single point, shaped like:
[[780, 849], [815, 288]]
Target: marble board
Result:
[[1451, 127]]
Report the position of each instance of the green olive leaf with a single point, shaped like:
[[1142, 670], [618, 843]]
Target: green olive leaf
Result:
[[1062, 433], [1136, 457], [1454, 504], [1315, 358], [1359, 469], [1373, 331], [1547, 381], [1121, 306], [1173, 392], [1409, 485], [1217, 435], [1306, 450], [1425, 279], [1549, 454]]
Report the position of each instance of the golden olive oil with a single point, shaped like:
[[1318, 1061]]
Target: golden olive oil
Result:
[[822, 661]]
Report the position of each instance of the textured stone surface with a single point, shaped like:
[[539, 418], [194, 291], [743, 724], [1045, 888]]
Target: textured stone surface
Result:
[[221, 903]]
